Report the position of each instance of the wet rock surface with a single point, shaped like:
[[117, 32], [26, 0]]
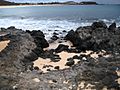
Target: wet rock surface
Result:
[[16, 60]]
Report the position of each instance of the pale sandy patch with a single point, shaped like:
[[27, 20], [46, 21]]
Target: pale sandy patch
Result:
[[63, 55], [3, 44], [118, 73]]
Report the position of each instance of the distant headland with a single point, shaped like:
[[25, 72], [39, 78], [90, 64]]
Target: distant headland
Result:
[[5, 3]]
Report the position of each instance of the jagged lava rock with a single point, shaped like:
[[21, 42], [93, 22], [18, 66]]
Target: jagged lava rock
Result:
[[95, 37], [99, 24], [39, 38], [61, 48], [112, 26]]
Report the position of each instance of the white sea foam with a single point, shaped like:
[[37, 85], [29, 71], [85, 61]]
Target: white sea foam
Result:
[[47, 26]]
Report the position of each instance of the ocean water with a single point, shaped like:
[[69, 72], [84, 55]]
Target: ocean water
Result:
[[59, 18]]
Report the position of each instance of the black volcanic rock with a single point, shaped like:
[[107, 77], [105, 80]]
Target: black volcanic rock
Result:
[[5, 37], [54, 37], [118, 28], [57, 67], [19, 55], [24, 47], [112, 27], [39, 38], [21, 45], [70, 62], [100, 24], [11, 27], [73, 37], [61, 48], [17, 72], [95, 37]]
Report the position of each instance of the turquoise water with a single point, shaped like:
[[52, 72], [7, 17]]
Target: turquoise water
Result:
[[58, 17]]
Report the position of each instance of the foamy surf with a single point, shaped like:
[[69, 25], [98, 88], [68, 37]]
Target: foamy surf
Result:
[[47, 26]]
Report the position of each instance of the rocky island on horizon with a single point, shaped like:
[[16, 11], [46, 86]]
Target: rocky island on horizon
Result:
[[5, 2]]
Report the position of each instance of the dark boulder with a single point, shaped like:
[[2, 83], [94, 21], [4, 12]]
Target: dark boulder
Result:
[[61, 48], [50, 54], [2, 29], [99, 24], [95, 37], [55, 58], [118, 28], [5, 37], [70, 62], [80, 38], [11, 27], [64, 31], [39, 38], [54, 37], [36, 33], [36, 68], [84, 33], [55, 81], [55, 33], [70, 36], [38, 51], [73, 37], [77, 57], [48, 69], [57, 67], [31, 57], [112, 27]]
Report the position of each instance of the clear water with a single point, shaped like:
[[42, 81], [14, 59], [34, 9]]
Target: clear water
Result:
[[59, 18]]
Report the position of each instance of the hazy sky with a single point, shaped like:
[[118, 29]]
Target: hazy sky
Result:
[[99, 1]]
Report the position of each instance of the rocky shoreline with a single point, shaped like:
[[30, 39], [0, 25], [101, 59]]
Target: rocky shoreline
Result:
[[17, 70]]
